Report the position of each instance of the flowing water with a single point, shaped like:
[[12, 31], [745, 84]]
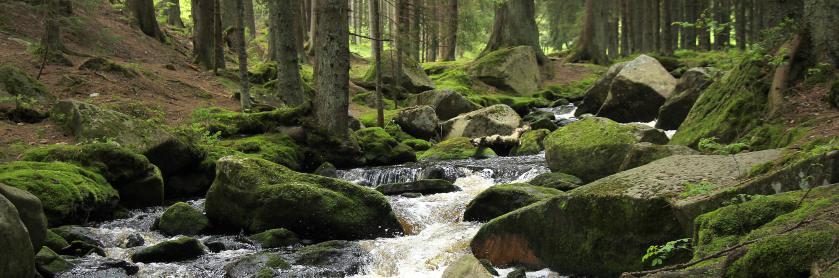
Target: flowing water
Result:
[[436, 234]]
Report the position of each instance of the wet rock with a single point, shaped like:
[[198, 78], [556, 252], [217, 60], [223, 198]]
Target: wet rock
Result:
[[622, 215], [54, 241], [645, 133], [327, 170], [436, 173], [557, 180], [180, 249], [251, 265], [497, 119], [133, 240], [418, 144], [79, 248], [48, 263], [182, 219], [531, 142], [77, 233], [22, 98], [127, 267], [467, 266], [412, 77], [447, 104], [518, 273], [643, 153], [513, 69], [30, 211], [257, 195], [455, 148], [411, 195], [590, 148], [598, 93], [275, 238], [138, 181], [418, 121], [540, 120], [504, 198], [332, 258], [223, 243], [17, 259], [688, 89], [382, 149], [275, 147], [424, 186]]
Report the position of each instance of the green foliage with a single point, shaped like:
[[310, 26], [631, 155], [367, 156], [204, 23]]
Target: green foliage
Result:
[[274, 147], [228, 123], [370, 117], [699, 188], [657, 254], [710, 145], [455, 148]]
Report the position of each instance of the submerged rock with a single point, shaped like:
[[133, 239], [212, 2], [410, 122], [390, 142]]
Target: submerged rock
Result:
[[688, 89], [418, 121], [18, 258], [424, 186], [257, 195], [31, 213], [182, 219], [49, 263], [497, 119], [455, 148], [180, 249], [513, 69], [447, 104], [622, 215], [467, 266], [335, 258], [504, 198], [275, 238]]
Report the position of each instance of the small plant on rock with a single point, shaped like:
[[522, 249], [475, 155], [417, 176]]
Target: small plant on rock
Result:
[[710, 145], [657, 254]]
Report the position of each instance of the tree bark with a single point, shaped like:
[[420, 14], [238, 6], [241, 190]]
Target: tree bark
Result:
[[433, 31], [313, 28], [218, 39], [413, 43], [245, 96], [51, 41], [591, 47], [691, 16], [667, 30], [625, 25], [704, 33], [515, 25], [332, 61], [637, 23], [656, 24], [448, 32], [250, 19], [143, 11], [203, 40], [740, 23], [376, 34], [289, 86], [173, 14]]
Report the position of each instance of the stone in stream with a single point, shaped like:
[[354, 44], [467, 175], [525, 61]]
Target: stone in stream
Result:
[[256, 265], [514, 70], [49, 263], [30, 211], [275, 238], [540, 120], [138, 181], [425, 186], [418, 121], [54, 241], [182, 219], [622, 215], [72, 233], [18, 258], [180, 249], [688, 89], [455, 148], [531, 142], [468, 266], [114, 264], [447, 104], [257, 195], [326, 169], [336, 258], [78, 248], [222, 243], [133, 240], [380, 148], [557, 180], [497, 119], [504, 198], [638, 91]]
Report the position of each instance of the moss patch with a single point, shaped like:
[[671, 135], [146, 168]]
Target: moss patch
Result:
[[182, 219], [455, 148], [274, 147], [228, 123], [591, 148], [382, 149], [531, 142]]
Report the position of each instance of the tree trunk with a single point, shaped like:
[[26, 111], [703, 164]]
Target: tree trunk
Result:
[[691, 16], [288, 85], [625, 25], [656, 24], [218, 39], [722, 14], [821, 15], [704, 33], [740, 23], [590, 45], [448, 32], [515, 25], [433, 31], [250, 19], [415, 19], [376, 34], [173, 12], [143, 11], [51, 41], [229, 18], [667, 30], [245, 96], [332, 61], [613, 36], [313, 27], [203, 40], [637, 21]]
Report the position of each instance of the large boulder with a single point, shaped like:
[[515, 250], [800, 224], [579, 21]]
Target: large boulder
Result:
[[455, 148], [501, 199], [531, 142], [18, 258], [643, 153], [179, 249], [497, 119], [138, 181], [22, 98], [262, 264], [615, 219], [597, 94], [335, 258], [424, 186], [687, 91], [412, 77], [257, 195], [88, 122], [418, 121], [31, 213], [513, 69], [275, 238], [275, 147], [49, 263], [446, 103], [69, 194], [382, 149], [590, 148], [182, 219], [557, 180], [638, 91]]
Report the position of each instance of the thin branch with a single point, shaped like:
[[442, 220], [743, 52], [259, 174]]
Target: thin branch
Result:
[[369, 38]]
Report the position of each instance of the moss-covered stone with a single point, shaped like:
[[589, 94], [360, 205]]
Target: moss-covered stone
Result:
[[17, 259], [105, 65], [73, 233], [274, 147], [22, 98], [512, 69], [49, 263], [182, 219], [446, 103], [643, 153], [557, 180], [31, 213], [70, 194], [590, 148], [455, 148], [78, 248], [501, 199], [256, 265], [336, 258], [258, 195], [275, 238], [494, 120], [180, 249], [382, 149], [531, 142], [138, 181], [412, 77], [522, 105], [55, 241], [418, 144], [424, 186], [228, 123]]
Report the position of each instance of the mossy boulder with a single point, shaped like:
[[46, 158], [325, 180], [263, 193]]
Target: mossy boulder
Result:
[[180, 249], [90, 123], [55, 241], [22, 98], [254, 265], [18, 258], [605, 227], [590, 148], [182, 219], [72, 233], [638, 91], [643, 153], [258, 195], [540, 120], [418, 121], [833, 95], [514, 70], [381, 149], [69, 193], [418, 144], [412, 77], [228, 123], [138, 181], [274, 147], [557, 180], [531, 142], [31, 213], [497, 119], [467, 266], [455, 148], [424, 186], [688, 89], [79, 248], [501, 199], [336, 258], [447, 104], [49, 263], [275, 238]]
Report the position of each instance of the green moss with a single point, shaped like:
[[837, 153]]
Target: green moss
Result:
[[396, 132], [67, 191], [115, 163], [531, 142], [699, 188], [182, 219], [275, 238], [228, 123], [493, 59], [572, 91], [369, 99], [55, 241], [557, 180], [50, 262], [455, 148], [369, 118], [17, 82], [522, 105], [275, 261], [382, 149], [591, 148], [418, 144], [771, 136], [275, 147], [456, 79]]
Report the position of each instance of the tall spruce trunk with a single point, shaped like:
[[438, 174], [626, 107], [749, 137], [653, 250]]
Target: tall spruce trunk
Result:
[[515, 25], [433, 32], [203, 40], [376, 35], [704, 33], [332, 59], [245, 96], [143, 11], [289, 86], [448, 32], [218, 38], [740, 23], [173, 13], [592, 43], [625, 27], [51, 41], [666, 31]]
